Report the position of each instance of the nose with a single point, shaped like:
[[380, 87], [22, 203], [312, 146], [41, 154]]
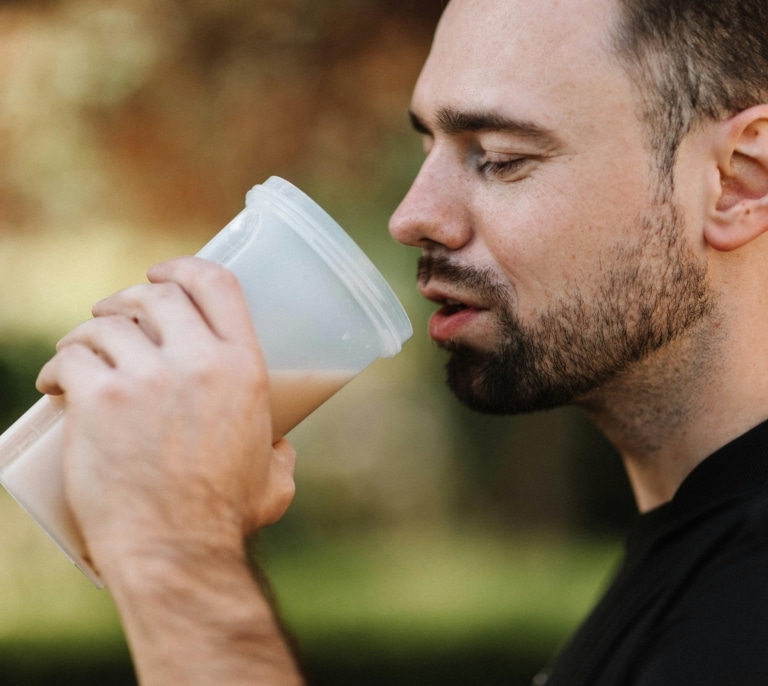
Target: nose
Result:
[[433, 211]]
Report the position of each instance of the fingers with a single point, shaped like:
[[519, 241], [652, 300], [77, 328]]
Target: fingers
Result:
[[184, 295], [215, 291], [94, 347], [164, 313], [115, 338], [75, 362], [188, 306], [163, 366]]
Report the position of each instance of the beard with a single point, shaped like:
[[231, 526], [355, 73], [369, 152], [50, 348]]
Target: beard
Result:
[[649, 294]]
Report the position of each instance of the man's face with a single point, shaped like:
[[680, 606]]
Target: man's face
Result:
[[553, 248]]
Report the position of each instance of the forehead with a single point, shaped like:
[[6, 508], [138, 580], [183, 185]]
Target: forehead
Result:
[[540, 57]]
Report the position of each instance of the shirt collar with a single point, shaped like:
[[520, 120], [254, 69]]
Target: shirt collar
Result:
[[739, 467], [733, 471]]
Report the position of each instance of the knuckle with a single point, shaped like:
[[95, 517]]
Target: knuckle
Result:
[[242, 364], [151, 380], [203, 368], [257, 375], [131, 295], [114, 392], [217, 277], [168, 291], [141, 295], [202, 372]]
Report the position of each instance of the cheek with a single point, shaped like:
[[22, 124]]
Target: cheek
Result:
[[546, 249], [549, 233], [535, 241]]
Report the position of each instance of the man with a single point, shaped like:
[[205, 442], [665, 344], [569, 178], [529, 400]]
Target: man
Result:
[[591, 215]]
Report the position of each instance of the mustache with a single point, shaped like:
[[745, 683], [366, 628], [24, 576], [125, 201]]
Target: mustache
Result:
[[480, 281]]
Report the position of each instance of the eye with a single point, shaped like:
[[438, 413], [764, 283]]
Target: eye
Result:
[[501, 168]]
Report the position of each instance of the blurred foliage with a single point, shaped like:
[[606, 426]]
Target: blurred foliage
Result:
[[130, 131], [455, 606], [458, 606], [19, 365], [164, 112]]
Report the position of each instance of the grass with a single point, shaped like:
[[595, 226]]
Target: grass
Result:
[[415, 602], [403, 607], [446, 585]]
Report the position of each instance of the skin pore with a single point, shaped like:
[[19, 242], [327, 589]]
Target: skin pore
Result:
[[566, 267]]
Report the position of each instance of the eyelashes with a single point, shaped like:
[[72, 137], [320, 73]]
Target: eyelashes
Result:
[[502, 168]]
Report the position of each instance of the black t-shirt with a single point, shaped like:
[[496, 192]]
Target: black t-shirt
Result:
[[689, 606]]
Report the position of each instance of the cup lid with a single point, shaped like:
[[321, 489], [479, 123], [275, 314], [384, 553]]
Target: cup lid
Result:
[[347, 260]]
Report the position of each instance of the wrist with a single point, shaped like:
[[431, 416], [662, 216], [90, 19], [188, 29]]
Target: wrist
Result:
[[189, 613]]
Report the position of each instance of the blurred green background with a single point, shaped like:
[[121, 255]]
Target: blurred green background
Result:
[[427, 544]]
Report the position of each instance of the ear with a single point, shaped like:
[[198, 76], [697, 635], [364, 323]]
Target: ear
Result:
[[741, 211]]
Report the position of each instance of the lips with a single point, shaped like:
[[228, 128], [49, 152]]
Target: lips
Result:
[[455, 315]]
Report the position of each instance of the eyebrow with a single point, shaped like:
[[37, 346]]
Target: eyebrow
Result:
[[454, 122]]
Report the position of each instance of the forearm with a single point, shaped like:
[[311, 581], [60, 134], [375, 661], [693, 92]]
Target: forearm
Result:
[[201, 621]]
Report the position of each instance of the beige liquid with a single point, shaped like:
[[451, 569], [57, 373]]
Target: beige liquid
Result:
[[295, 394], [31, 467], [36, 479]]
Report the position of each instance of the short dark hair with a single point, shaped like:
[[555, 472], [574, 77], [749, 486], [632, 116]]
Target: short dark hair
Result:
[[692, 61]]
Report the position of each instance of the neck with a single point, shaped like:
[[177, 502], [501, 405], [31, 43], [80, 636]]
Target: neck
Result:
[[673, 409]]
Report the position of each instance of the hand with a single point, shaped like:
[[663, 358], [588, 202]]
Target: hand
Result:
[[168, 465], [167, 430]]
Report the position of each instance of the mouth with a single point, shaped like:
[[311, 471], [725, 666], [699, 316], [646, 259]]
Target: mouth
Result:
[[450, 307], [468, 300], [454, 318]]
